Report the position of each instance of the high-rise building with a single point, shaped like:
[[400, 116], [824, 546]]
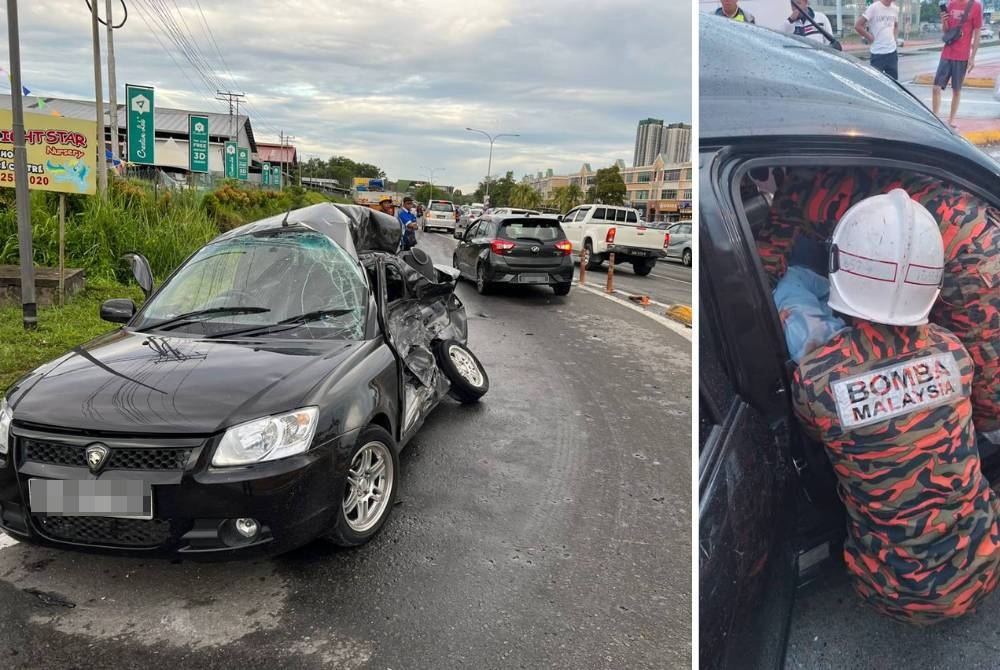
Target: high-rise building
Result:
[[676, 147], [648, 141]]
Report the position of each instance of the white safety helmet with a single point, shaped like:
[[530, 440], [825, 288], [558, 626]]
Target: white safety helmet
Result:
[[886, 261]]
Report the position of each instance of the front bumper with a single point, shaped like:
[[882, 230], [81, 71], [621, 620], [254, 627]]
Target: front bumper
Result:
[[194, 506]]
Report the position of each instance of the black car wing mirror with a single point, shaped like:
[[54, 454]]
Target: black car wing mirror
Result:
[[117, 310], [141, 271]]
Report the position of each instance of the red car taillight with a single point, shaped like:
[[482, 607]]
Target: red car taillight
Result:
[[610, 239], [666, 240], [501, 247], [565, 247]]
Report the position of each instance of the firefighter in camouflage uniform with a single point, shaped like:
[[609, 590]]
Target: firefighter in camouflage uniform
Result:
[[889, 398], [811, 201]]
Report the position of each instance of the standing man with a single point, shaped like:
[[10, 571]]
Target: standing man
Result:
[[803, 27], [888, 395], [408, 221], [958, 57], [731, 10], [880, 26], [386, 207]]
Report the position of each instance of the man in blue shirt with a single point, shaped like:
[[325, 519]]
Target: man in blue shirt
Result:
[[408, 221]]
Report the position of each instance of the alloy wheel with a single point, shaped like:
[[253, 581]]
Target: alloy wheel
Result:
[[466, 365], [369, 483]]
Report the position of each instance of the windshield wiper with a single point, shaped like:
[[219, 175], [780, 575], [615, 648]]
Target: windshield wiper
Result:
[[181, 319], [290, 321]]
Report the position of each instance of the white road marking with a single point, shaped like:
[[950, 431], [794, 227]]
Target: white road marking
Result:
[[679, 281], [6, 540], [678, 328]]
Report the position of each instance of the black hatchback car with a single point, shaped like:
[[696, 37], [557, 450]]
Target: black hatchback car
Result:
[[258, 399], [516, 250], [769, 515]]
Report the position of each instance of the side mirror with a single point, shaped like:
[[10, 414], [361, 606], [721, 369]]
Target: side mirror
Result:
[[118, 310], [141, 271]]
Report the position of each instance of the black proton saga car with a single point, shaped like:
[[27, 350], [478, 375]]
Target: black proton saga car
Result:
[[774, 111], [257, 400]]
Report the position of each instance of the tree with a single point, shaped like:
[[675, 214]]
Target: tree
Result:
[[566, 198], [523, 195], [499, 191], [609, 187], [423, 194], [341, 168]]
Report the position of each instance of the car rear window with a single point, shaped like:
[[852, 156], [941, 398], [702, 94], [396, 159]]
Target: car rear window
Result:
[[546, 231], [442, 207]]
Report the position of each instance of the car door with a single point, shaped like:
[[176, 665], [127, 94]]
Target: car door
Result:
[[747, 487], [463, 251], [571, 226]]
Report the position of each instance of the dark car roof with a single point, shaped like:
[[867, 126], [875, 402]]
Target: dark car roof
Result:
[[324, 218], [757, 82]]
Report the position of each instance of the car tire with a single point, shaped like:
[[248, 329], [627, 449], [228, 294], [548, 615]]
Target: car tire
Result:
[[483, 287], [593, 261], [686, 258], [643, 267], [350, 528], [562, 289], [468, 378]]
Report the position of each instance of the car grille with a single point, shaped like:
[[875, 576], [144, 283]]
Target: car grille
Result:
[[103, 530], [119, 459]]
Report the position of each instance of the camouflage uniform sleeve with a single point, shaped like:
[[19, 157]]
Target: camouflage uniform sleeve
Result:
[[802, 405]]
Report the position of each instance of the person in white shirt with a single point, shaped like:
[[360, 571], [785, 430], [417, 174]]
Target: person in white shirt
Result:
[[880, 26], [803, 27]]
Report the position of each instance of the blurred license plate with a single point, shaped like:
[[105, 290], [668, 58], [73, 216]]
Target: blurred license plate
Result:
[[122, 498], [640, 252], [534, 279]]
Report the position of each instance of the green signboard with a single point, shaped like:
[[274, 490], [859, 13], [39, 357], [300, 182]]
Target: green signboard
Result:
[[231, 150], [141, 126], [265, 174], [243, 163], [198, 143], [276, 176]]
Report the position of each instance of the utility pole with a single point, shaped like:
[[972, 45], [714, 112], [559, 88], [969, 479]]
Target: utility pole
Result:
[[28, 307], [489, 165], [430, 173], [112, 85], [231, 98], [102, 162]]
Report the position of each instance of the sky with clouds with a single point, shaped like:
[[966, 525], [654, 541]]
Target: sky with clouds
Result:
[[395, 82]]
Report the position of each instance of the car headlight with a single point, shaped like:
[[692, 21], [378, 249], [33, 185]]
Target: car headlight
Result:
[[267, 439], [6, 416]]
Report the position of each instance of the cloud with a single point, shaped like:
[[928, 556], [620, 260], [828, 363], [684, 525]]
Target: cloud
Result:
[[395, 83]]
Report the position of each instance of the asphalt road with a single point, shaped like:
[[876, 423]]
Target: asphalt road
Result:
[[547, 526], [975, 102], [668, 284], [831, 629]]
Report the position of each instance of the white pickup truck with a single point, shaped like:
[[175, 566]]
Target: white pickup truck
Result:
[[602, 229]]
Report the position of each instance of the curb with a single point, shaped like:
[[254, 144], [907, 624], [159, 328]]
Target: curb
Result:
[[981, 137], [927, 79], [684, 331], [680, 313]]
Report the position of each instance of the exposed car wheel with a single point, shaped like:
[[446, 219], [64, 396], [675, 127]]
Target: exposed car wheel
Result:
[[643, 267], [562, 289], [468, 378], [686, 258], [370, 489], [592, 260], [482, 286]]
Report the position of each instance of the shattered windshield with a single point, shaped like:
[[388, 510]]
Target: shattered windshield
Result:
[[295, 282]]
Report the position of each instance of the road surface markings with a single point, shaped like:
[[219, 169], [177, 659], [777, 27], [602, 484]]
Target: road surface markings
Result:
[[681, 330], [6, 540]]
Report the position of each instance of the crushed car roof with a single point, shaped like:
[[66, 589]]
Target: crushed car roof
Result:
[[355, 228], [754, 81]]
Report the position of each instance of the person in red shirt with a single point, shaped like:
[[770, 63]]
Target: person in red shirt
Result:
[[959, 57]]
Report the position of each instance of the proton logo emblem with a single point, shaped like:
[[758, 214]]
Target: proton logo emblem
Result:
[[535, 249], [96, 455]]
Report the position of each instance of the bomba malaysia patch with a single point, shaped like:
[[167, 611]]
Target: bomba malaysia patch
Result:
[[880, 395]]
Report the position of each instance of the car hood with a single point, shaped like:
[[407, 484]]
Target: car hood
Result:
[[136, 383]]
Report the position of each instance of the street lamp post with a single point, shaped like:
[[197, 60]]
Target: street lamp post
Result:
[[431, 172], [489, 165]]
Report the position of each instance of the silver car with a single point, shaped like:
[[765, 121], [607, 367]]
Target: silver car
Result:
[[679, 245], [467, 217]]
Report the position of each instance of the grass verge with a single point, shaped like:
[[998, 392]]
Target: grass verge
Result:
[[59, 329]]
